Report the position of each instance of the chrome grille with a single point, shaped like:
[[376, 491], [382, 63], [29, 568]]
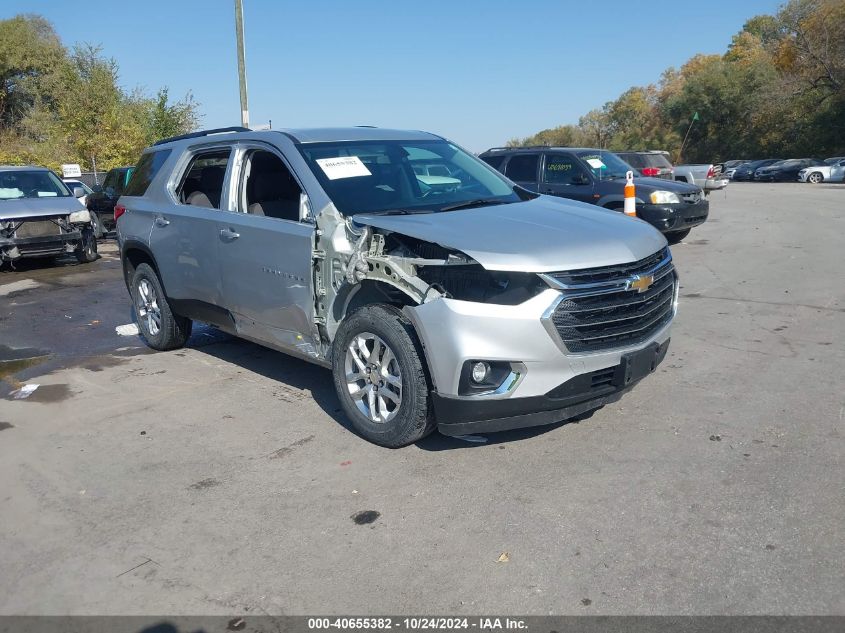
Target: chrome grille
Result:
[[38, 228], [599, 310]]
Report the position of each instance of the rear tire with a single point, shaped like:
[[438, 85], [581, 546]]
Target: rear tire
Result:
[[380, 377], [86, 252], [676, 236], [162, 329], [98, 226]]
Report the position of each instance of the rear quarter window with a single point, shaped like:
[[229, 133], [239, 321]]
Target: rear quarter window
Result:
[[146, 169], [657, 160]]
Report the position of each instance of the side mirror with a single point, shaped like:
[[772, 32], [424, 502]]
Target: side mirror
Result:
[[305, 212], [78, 192], [580, 179]]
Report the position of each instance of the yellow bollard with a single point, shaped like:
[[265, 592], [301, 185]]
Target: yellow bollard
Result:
[[630, 207]]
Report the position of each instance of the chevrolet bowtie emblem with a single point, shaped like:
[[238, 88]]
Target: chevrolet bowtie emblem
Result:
[[640, 283]]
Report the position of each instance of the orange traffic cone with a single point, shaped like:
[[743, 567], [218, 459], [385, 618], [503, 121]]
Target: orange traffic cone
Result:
[[630, 207]]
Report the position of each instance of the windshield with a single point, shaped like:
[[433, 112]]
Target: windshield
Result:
[[404, 176], [605, 165], [31, 184]]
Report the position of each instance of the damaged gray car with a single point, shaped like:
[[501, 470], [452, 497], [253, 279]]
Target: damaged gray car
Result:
[[41, 217], [439, 293]]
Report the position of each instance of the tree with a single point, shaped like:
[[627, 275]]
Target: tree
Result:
[[30, 50]]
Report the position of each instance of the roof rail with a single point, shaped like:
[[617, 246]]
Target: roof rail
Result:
[[219, 130], [502, 149]]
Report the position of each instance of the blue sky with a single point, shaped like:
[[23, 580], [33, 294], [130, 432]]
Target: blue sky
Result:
[[478, 72]]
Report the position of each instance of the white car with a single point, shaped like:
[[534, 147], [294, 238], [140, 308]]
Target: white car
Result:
[[72, 183], [819, 173]]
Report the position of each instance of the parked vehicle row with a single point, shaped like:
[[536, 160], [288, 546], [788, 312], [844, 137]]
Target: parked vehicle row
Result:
[[810, 170]]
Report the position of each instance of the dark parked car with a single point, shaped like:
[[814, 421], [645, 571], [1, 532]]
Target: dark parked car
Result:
[[746, 170], [785, 170], [101, 202], [653, 163], [598, 176]]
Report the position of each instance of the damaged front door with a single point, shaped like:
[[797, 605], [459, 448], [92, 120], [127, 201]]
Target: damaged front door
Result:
[[265, 256]]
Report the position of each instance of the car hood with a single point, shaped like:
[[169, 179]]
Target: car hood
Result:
[[38, 207], [541, 235]]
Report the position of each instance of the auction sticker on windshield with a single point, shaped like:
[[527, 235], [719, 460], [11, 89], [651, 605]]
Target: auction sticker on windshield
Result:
[[595, 163], [343, 167]]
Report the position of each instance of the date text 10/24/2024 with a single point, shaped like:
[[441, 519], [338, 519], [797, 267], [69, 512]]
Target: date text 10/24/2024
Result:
[[417, 623]]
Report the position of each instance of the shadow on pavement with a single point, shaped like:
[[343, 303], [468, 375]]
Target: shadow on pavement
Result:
[[299, 374]]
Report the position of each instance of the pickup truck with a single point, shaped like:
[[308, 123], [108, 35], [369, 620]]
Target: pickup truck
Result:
[[708, 177]]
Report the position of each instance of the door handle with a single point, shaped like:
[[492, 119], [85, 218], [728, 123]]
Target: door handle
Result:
[[228, 235], [161, 221]]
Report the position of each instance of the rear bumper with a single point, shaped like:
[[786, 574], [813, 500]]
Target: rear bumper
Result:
[[714, 184], [674, 217], [45, 246], [578, 395]]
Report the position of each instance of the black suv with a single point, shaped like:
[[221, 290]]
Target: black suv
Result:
[[598, 176], [101, 202]]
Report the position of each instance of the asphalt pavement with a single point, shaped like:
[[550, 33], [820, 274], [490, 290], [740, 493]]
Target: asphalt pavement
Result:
[[223, 478]]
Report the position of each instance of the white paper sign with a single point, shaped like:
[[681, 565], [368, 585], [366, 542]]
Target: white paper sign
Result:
[[595, 163], [343, 167], [71, 171]]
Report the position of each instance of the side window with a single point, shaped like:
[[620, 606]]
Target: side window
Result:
[[110, 182], [522, 167], [145, 171], [268, 188], [202, 182], [563, 169], [494, 161]]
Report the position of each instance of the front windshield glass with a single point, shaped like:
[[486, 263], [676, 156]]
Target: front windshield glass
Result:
[[605, 165], [404, 176], [31, 184]]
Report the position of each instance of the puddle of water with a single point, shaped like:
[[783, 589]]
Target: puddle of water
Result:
[[14, 360]]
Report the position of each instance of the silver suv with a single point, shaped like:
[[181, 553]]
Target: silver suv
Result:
[[440, 294]]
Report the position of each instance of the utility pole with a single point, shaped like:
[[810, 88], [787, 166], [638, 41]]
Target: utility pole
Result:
[[239, 31]]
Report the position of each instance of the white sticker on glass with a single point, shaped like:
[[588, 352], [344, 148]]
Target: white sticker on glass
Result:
[[343, 167], [595, 163]]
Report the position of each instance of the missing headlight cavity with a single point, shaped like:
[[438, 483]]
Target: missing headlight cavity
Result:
[[474, 283]]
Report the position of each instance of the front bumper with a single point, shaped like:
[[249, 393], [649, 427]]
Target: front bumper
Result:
[[552, 384], [674, 217], [578, 395], [12, 248]]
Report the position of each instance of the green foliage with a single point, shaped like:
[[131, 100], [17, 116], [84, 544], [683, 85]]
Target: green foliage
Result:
[[779, 90], [59, 106]]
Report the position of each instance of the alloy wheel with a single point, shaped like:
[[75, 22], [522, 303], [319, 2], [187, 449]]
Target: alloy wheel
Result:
[[146, 305], [373, 377]]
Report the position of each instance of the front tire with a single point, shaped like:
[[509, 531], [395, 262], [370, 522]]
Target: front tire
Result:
[[86, 252], [380, 378], [163, 329], [676, 236], [815, 178]]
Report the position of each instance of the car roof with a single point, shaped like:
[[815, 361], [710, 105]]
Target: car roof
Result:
[[22, 168], [303, 135]]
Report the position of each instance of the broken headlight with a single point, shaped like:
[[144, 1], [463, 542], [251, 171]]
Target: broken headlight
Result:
[[473, 283]]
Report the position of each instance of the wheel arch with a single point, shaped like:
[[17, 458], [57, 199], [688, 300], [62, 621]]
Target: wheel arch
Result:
[[133, 254]]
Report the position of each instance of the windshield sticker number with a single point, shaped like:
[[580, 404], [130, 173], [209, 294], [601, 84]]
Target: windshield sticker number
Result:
[[343, 167], [595, 163], [559, 166]]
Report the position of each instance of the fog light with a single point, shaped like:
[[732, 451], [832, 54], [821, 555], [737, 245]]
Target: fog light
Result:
[[480, 372]]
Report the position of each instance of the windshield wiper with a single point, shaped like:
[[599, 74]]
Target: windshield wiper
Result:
[[394, 212], [472, 203]]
